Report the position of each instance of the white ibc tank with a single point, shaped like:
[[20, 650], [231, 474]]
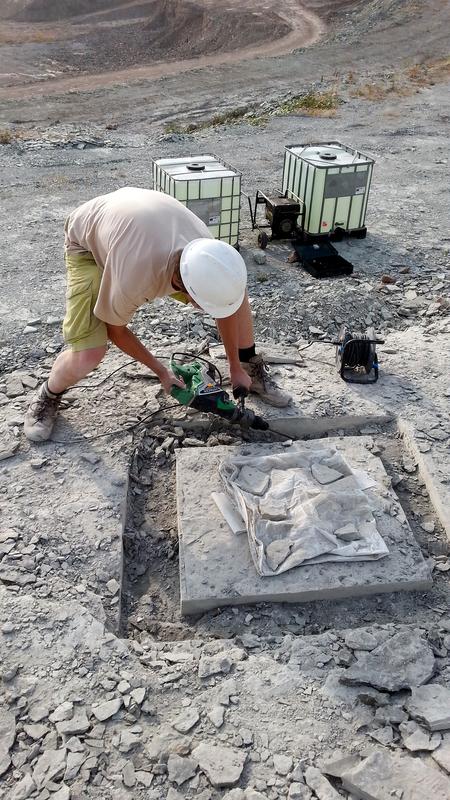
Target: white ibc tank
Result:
[[333, 182], [210, 188]]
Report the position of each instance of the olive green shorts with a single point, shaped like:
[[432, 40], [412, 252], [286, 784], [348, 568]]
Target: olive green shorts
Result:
[[81, 328]]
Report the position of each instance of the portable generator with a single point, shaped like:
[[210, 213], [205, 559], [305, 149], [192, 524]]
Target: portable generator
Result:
[[282, 215]]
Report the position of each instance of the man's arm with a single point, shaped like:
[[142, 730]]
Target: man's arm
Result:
[[126, 341], [228, 328]]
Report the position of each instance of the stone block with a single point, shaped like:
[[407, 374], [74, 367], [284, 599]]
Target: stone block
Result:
[[216, 566]]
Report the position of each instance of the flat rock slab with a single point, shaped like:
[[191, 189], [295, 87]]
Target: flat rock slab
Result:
[[382, 776], [216, 567], [430, 705], [404, 661]]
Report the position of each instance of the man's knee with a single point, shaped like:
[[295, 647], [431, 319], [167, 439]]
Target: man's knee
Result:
[[86, 360]]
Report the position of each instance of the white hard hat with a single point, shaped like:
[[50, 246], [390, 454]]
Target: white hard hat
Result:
[[214, 275]]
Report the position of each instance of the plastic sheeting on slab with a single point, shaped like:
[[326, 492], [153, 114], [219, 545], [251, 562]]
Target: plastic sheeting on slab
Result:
[[304, 507]]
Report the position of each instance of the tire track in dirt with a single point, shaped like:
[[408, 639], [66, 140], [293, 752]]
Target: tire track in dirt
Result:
[[306, 29]]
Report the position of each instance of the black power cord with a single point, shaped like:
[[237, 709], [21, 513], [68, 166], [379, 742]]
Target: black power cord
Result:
[[124, 429]]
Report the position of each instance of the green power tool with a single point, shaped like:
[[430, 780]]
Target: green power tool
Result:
[[203, 391]]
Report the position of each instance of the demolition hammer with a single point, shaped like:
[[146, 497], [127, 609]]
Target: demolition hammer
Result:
[[203, 391]]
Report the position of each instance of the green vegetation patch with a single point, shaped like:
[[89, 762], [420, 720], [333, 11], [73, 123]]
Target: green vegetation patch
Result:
[[311, 103]]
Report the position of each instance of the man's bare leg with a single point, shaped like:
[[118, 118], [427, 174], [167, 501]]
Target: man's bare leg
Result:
[[68, 369]]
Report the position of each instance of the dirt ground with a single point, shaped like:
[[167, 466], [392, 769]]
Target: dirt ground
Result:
[[107, 693]]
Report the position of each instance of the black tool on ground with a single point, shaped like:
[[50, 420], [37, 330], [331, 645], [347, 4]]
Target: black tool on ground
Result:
[[203, 391], [321, 259], [356, 356], [282, 215]]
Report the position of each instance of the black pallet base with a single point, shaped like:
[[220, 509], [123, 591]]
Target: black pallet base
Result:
[[322, 260], [336, 236]]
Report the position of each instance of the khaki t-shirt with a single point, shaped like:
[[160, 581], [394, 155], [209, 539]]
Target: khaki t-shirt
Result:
[[132, 234]]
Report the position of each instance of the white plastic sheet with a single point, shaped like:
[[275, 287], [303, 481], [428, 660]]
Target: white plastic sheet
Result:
[[303, 507]]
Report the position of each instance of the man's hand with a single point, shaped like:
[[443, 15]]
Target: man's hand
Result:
[[239, 377], [168, 379]]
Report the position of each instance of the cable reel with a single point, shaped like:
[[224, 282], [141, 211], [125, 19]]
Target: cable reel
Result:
[[356, 356]]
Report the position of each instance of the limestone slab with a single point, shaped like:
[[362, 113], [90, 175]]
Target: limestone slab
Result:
[[430, 705], [216, 567], [382, 775], [402, 662]]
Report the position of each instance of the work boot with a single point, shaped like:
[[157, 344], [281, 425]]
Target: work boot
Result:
[[41, 415], [263, 385]]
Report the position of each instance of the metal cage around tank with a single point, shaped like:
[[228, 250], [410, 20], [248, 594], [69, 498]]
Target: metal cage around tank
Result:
[[209, 187], [333, 182]]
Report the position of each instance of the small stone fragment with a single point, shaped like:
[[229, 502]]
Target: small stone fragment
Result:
[[172, 794], [35, 732], [220, 663], [144, 778], [338, 765], [282, 764], [50, 765], [259, 256], [61, 712], [185, 721], [79, 723], [7, 729], [73, 764], [14, 386], [320, 785], [298, 791], [383, 735], [24, 788], [442, 754], [113, 586], [128, 775], [416, 740], [128, 741], [348, 533], [29, 380], [216, 715], [222, 765], [228, 688], [325, 475], [103, 711], [360, 639], [276, 552], [138, 695], [180, 769]]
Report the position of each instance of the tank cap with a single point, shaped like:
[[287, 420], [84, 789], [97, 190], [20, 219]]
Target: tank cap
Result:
[[194, 166], [327, 156]]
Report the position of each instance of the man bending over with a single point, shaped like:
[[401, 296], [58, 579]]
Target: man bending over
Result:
[[125, 249]]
